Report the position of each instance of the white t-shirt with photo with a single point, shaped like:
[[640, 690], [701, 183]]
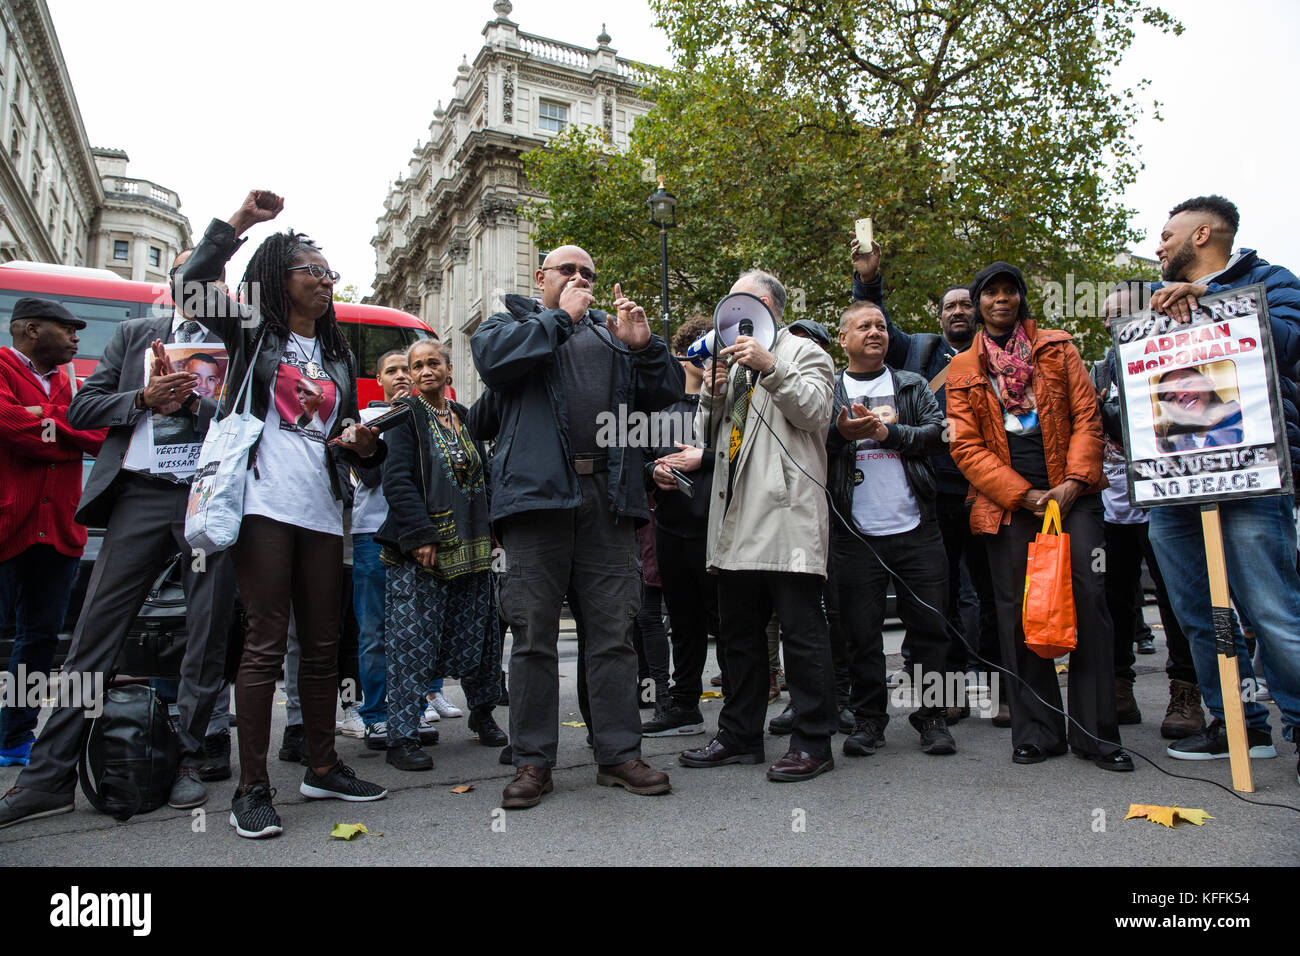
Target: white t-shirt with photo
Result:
[[290, 478], [882, 499]]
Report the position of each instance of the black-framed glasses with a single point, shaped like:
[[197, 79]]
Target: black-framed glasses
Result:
[[316, 271], [569, 270]]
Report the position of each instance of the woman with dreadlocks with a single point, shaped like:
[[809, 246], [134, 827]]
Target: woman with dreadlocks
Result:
[[290, 547]]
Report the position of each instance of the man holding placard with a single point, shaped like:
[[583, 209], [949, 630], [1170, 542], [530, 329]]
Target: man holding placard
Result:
[[1207, 450]]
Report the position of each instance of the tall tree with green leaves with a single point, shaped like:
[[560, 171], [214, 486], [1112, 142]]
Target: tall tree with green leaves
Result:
[[970, 131]]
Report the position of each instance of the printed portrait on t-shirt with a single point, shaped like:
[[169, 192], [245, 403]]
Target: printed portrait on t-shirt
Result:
[[304, 404]]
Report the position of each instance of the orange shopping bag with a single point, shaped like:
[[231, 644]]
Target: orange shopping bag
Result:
[[1048, 614]]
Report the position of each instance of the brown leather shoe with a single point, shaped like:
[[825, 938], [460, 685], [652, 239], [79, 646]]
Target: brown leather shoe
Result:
[[1126, 706], [634, 776], [527, 788], [1184, 718], [773, 686], [799, 765]]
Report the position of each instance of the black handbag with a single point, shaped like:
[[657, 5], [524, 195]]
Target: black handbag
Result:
[[155, 642], [128, 764]]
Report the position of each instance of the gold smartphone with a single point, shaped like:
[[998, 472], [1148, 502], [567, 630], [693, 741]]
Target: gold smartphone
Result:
[[865, 234]]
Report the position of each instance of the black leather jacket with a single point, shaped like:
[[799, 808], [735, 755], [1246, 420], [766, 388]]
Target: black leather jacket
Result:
[[532, 467], [918, 435], [227, 317]]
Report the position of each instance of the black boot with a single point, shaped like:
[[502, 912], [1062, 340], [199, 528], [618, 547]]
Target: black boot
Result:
[[293, 748], [216, 757], [482, 725]]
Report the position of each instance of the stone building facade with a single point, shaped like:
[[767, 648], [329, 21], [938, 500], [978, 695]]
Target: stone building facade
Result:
[[452, 241], [139, 228], [49, 187], [60, 200]]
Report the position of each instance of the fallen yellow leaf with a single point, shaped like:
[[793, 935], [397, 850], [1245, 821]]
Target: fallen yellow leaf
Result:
[[1062, 668], [346, 831], [1167, 816], [463, 788], [572, 723], [710, 695]]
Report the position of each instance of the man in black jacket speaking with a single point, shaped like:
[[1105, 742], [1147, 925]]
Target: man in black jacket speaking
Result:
[[565, 500]]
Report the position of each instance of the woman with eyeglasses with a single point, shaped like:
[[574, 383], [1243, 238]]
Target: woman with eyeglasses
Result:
[[290, 548], [1026, 428]]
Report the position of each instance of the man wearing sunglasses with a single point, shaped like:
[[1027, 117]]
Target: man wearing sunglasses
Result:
[[567, 501]]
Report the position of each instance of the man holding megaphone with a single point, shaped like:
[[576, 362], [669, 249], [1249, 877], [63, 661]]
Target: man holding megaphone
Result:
[[765, 422]]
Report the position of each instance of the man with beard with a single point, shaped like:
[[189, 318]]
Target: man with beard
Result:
[[1259, 534], [928, 355]]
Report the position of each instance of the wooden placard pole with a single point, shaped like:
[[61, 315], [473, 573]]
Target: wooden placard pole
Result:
[[1229, 677]]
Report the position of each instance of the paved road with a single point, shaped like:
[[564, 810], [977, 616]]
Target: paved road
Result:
[[898, 807]]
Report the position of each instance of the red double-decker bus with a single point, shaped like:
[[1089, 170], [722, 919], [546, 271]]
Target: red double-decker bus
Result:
[[103, 299]]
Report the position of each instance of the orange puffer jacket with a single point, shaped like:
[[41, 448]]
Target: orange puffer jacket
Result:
[[1067, 412]]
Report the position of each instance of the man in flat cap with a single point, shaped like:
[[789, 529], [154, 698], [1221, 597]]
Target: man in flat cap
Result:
[[40, 482], [139, 498]]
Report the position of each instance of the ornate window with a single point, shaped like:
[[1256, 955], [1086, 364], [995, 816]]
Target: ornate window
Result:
[[552, 116]]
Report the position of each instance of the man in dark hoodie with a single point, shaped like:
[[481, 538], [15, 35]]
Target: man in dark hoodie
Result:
[[1259, 534], [565, 501]]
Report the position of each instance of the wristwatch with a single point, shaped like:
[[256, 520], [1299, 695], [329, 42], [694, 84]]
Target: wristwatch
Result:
[[191, 404]]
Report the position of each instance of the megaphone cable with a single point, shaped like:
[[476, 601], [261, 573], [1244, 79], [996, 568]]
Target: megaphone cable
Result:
[[960, 636]]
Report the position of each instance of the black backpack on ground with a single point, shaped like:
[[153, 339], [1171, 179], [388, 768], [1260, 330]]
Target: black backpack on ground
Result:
[[129, 761]]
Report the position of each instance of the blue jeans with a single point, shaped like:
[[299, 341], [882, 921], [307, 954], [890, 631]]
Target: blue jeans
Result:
[[1259, 541], [368, 583], [34, 590]]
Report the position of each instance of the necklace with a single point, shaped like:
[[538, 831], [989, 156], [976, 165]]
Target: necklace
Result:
[[313, 370], [449, 441]]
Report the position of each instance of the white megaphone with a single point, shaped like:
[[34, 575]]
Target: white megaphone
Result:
[[743, 314]]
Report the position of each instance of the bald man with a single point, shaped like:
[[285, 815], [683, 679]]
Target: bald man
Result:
[[566, 497]]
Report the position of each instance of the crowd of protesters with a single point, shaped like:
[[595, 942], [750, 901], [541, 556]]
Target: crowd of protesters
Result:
[[925, 466]]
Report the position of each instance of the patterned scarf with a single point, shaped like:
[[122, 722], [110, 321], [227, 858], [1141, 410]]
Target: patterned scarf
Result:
[[1011, 369]]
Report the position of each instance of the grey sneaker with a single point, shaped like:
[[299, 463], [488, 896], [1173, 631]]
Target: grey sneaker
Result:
[[339, 783], [21, 804], [187, 790]]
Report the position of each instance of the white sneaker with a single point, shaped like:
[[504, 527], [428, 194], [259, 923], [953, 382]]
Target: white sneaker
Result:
[[427, 724], [444, 707], [377, 736], [430, 715], [351, 725]]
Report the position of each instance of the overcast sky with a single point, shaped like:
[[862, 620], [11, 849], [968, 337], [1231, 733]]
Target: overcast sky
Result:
[[324, 102]]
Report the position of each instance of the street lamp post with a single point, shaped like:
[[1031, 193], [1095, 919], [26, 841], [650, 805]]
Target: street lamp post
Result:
[[662, 205]]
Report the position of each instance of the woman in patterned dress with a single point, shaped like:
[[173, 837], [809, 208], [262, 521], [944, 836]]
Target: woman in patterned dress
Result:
[[437, 543]]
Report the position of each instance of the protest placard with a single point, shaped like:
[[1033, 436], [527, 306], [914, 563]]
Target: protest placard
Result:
[[1201, 404]]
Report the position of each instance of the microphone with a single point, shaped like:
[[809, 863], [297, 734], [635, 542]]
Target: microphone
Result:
[[746, 327]]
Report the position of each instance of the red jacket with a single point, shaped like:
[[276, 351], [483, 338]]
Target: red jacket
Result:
[[40, 481]]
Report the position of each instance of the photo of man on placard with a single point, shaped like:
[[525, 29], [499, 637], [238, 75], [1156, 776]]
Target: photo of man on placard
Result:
[[1197, 407]]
